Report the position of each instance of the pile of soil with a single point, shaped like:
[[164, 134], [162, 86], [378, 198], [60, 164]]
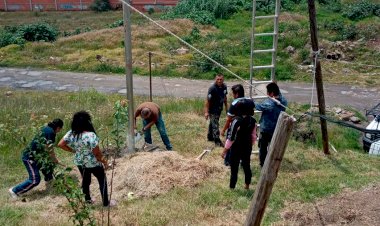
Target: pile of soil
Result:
[[348, 208], [148, 174]]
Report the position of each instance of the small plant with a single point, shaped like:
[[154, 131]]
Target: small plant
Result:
[[68, 186], [38, 32]]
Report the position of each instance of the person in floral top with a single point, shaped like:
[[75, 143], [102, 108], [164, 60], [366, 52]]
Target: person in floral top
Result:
[[84, 142]]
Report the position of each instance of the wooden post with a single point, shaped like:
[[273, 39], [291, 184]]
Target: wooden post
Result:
[[270, 169], [318, 75]]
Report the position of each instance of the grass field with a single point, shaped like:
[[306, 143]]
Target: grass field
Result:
[[306, 173], [98, 48]]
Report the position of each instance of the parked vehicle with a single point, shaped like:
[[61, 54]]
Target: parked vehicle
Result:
[[374, 125]]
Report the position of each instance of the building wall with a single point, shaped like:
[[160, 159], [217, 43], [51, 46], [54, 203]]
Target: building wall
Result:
[[76, 5]]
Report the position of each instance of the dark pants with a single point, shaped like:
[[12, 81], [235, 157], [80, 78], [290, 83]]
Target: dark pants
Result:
[[160, 124], [100, 174], [244, 155], [34, 177], [213, 128], [264, 142]]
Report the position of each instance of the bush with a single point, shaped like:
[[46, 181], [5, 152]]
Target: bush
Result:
[[38, 32], [205, 65], [349, 32], [100, 5], [359, 10], [205, 12], [7, 38], [30, 32]]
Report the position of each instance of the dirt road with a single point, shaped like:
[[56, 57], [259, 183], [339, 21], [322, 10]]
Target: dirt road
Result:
[[342, 95]]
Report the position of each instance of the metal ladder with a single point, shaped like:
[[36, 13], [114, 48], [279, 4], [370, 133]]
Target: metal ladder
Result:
[[272, 51]]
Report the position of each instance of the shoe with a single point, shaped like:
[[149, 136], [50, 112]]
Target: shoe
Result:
[[219, 143], [246, 186], [12, 194], [112, 203]]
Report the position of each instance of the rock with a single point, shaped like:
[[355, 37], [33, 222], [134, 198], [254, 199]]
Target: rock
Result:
[[182, 51], [346, 116], [355, 119], [290, 49], [338, 110]]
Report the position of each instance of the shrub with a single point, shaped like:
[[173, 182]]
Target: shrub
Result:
[[100, 5], [359, 10], [117, 23], [205, 65], [7, 38], [205, 12], [38, 32], [349, 32]]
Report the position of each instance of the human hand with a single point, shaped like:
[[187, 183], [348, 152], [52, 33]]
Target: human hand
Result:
[[224, 153], [206, 115]]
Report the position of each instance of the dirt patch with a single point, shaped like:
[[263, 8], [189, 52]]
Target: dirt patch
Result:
[[148, 174], [348, 208]]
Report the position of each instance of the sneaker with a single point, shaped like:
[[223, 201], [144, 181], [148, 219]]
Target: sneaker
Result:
[[12, 194], [246, 186]]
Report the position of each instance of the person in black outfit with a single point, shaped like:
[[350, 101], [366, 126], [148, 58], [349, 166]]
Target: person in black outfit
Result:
[[241, 135], [216, 97]]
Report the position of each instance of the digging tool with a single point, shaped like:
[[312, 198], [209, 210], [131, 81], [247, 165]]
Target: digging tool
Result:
[[205, 151]]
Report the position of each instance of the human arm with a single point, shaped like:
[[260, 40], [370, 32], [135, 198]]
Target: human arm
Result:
[[225, 104], [137, 114], [63, 145], [226, 125], [254, 134], [99, 156], [207, 105]]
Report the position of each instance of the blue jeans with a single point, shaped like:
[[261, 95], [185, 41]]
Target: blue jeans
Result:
[[160, 124], [34, 177]]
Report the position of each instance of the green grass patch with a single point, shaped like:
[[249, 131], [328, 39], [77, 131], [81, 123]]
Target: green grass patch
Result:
[[306, 174]]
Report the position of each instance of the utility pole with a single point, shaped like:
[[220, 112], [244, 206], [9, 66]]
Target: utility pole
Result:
[[129, 78], [318, 74], [150, 76]]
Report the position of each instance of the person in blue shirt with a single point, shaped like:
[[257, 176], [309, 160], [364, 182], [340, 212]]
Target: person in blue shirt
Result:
[[216, 98], [269, 116], [32, 157]]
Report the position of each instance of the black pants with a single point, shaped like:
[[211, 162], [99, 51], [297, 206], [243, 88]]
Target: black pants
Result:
[[100, 174], [245, 156], [264, 141]]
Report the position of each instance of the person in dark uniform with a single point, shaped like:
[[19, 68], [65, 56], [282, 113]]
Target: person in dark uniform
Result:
[[216, 98]]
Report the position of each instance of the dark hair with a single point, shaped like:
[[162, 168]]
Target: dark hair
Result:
[[273, 88], [238, 89], [56, 123], [81, 122]]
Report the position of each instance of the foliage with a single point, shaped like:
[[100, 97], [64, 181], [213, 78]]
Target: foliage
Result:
[[361, 10], [29, 32], [7, 38], [68, 186], [205, 12], [204, 65], [194, 35], [120, 124], [117, 23], [100, 5], [38, 32]]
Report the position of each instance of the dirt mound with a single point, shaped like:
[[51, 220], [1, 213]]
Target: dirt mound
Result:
[[347, 208], [148, 174]]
